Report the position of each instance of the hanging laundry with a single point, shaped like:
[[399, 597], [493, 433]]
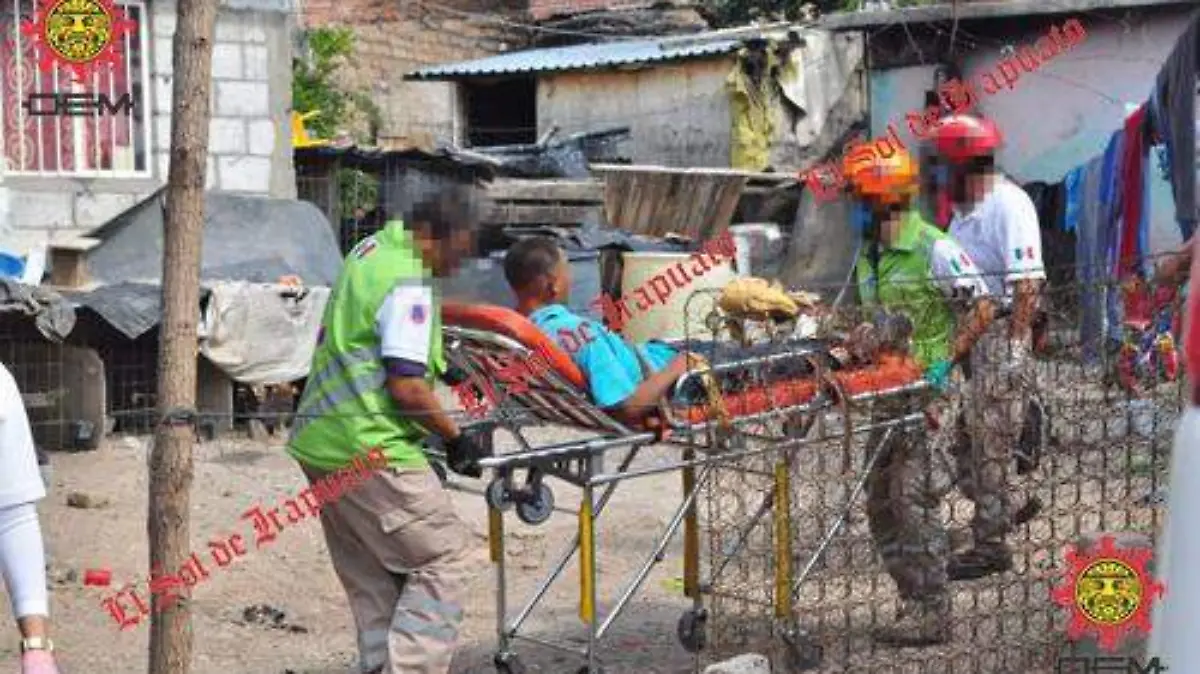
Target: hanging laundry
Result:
[[1110, 231], [1058, 246], [1133, 187], [1090, 257], [753, 95], [1072, 188], [943, 204], [1175, 120]]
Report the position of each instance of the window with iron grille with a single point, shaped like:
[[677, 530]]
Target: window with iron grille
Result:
[[92, 145]]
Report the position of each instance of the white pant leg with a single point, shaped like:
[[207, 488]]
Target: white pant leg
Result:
[[23, 560]]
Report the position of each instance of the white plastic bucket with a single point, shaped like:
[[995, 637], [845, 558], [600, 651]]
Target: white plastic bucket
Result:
[[671, 315]]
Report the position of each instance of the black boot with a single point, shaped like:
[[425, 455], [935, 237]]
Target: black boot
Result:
[[979, 563], [1031, 442], [925, 623], [1028, 511]]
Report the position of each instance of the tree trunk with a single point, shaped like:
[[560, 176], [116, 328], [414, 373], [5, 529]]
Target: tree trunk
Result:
[[171, 458]]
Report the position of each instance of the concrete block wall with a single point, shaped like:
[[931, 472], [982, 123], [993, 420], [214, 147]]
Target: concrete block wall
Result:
[[250, 132], [250, 137], [392, 41]]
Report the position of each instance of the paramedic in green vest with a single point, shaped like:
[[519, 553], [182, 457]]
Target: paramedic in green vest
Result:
[[909, 267], [395, 540]]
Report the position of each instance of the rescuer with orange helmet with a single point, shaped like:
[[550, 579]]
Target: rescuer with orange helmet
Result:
[[996, 223], [909, 267]]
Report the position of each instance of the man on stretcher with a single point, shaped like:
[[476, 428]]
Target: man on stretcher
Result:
[[626, 380]]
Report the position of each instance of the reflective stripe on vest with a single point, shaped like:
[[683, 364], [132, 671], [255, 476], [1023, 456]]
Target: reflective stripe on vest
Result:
[[360, 385]]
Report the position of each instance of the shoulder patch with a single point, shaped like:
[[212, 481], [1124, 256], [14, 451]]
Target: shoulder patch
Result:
[[364, 247]]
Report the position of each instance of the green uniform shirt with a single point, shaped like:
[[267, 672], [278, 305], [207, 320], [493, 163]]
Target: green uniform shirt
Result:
[[917, 276], [346, 408]]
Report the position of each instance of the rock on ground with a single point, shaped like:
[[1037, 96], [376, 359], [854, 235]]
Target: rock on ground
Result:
[[749, 663]]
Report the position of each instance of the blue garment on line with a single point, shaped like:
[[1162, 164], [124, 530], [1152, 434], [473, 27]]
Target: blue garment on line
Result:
[[1110, 229], [1072, 187], [1090, 263]]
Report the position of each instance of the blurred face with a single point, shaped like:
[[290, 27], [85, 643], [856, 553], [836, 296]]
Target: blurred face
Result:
[[444, 255], [889, 227], [970, 185]]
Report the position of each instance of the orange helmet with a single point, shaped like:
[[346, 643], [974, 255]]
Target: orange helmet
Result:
[[886, 181], [961, 138]]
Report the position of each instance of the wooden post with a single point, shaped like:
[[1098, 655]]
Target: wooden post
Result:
[[171, 457]]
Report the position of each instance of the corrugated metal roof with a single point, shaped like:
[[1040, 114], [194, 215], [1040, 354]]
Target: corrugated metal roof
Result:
[[578, 57]]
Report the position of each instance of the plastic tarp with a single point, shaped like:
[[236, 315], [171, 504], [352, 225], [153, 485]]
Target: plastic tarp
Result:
[[54, 317], [245, 238], [820, 75], [132, 308], [262, 334], [567, 157]]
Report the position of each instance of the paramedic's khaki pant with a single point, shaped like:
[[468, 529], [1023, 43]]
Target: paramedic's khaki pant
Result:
[[400, 550]]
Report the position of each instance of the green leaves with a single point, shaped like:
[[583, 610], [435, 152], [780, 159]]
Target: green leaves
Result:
[[313, 86]]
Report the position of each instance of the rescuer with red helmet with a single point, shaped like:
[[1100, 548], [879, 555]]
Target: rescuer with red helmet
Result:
[[996, 223], [910, 268]]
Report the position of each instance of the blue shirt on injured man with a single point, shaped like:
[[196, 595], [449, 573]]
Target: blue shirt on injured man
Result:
[[608, 362]]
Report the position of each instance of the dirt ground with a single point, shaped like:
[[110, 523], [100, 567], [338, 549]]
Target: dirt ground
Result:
[[316, 636], [293, 574]]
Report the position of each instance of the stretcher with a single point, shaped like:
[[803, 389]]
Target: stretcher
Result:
[[756, 424]]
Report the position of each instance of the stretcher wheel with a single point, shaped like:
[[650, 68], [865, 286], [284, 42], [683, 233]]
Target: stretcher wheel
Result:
[[496, 495], [538, 507], [690, 630], [508, 663]]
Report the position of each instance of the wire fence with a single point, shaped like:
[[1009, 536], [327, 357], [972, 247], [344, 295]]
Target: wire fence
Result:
[[1082, 452], [809, 545]]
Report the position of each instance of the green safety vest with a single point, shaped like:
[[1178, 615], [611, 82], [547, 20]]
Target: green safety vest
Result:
[[905, 285], [346, 408]]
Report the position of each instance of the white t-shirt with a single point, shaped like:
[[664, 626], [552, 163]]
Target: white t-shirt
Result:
[[954, 272], [20, 480], [1003, 237], [405, 323]]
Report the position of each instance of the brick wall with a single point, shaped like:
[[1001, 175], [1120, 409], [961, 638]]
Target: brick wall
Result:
[[393, 40]]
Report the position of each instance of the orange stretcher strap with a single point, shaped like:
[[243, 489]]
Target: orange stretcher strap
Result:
[[505, 321]]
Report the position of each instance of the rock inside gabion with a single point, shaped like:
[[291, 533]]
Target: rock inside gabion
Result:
[[748, 663]]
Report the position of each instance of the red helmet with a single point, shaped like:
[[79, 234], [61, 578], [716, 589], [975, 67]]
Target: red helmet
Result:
[[960, 138]]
